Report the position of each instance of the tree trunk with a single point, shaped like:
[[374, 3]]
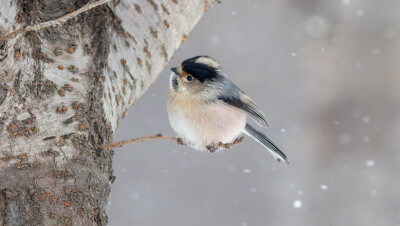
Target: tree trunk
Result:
[[63, 92]]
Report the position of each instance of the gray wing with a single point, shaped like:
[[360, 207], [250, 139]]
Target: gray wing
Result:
[[232, 95]]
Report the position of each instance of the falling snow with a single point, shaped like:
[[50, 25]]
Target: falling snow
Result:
[[246, 171], [134, 196], [360, 12], [317, 26], [376, 51], [359, 66], [215, 40], [366, 119], [343, 136], [370, 163], [297, 204], [390, 33]]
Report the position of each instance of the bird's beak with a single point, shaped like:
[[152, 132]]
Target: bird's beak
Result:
[[175, 70]]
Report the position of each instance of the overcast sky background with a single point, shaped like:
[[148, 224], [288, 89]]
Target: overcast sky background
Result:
[[326, 73]]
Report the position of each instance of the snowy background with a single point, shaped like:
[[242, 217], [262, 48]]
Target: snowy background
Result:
[[326, 74]]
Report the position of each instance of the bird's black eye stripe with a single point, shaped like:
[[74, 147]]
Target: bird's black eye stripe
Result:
[[200, 71], [189, 78]]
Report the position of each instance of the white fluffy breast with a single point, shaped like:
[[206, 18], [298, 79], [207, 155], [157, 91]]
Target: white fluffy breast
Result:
[[202, 124]]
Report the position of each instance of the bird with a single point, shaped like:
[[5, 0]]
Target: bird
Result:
[[206, 108]]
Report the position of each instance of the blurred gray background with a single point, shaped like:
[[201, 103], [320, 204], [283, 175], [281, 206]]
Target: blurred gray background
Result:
[[326, 74]]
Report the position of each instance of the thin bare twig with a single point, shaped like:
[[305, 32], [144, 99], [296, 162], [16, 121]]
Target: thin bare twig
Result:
[[178, 140], [140, 139], [55, 22]]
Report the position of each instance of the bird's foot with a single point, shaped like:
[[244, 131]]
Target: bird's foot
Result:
[[213, 148], [180, 141]]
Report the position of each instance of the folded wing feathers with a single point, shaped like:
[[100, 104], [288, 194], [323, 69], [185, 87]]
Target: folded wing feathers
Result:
[[250, 106]]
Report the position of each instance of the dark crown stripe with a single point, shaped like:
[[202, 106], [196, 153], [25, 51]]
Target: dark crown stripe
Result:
[[200, 71]]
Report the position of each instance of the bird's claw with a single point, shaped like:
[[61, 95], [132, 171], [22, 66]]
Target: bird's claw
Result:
[[211, 148], [180, 141]]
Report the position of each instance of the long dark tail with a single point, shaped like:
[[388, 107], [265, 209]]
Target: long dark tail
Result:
[[266, 142]]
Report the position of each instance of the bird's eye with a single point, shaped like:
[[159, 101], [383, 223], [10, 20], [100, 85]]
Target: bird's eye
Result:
[[189, 78]]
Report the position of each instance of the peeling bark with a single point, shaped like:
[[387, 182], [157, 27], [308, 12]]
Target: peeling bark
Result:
[[63, 92]]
